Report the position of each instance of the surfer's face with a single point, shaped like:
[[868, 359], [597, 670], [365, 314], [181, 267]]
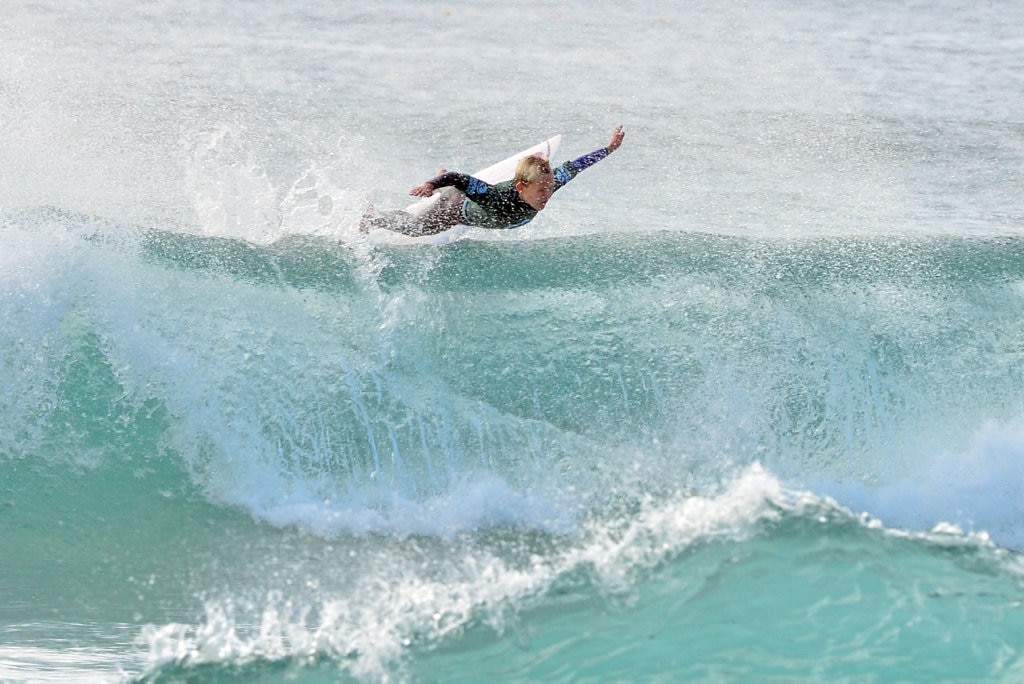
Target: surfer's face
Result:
[[537, 193]]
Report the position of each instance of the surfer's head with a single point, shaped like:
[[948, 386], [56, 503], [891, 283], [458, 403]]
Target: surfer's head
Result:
[[534, 181]]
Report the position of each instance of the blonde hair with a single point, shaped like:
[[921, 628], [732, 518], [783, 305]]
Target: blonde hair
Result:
[[532, 168]]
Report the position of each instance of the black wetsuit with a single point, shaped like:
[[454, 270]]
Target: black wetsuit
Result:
[[500, 206], [472, 202]]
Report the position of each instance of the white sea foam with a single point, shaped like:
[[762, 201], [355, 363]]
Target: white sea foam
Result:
[[233, 196], [373, 624], [975, 491]]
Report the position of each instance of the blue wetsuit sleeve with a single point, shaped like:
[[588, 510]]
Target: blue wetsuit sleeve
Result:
[[588, 160], [567, 171]]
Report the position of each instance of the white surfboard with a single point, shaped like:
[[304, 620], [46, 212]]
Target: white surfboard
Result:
[[496, 173]]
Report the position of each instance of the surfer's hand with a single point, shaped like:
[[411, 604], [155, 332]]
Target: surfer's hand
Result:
[[617, 135], [425, 190]]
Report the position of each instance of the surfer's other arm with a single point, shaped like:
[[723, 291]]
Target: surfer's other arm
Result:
[[443, 180]]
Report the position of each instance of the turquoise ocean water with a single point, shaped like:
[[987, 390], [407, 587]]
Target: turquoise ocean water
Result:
[[743, 404]]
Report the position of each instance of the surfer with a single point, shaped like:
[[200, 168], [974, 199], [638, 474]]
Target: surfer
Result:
[[469, 201]]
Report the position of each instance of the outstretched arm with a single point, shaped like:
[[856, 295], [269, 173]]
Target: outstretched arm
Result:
[[597, 155], [567, 171]]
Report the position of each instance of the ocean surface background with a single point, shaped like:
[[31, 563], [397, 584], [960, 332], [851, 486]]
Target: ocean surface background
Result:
[[745, 402]]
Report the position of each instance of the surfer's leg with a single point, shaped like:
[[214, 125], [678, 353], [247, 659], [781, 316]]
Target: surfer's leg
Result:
[[397, 221], [445, 213]]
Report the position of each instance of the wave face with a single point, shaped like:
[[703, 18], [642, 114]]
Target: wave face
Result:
[[308, 382]]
